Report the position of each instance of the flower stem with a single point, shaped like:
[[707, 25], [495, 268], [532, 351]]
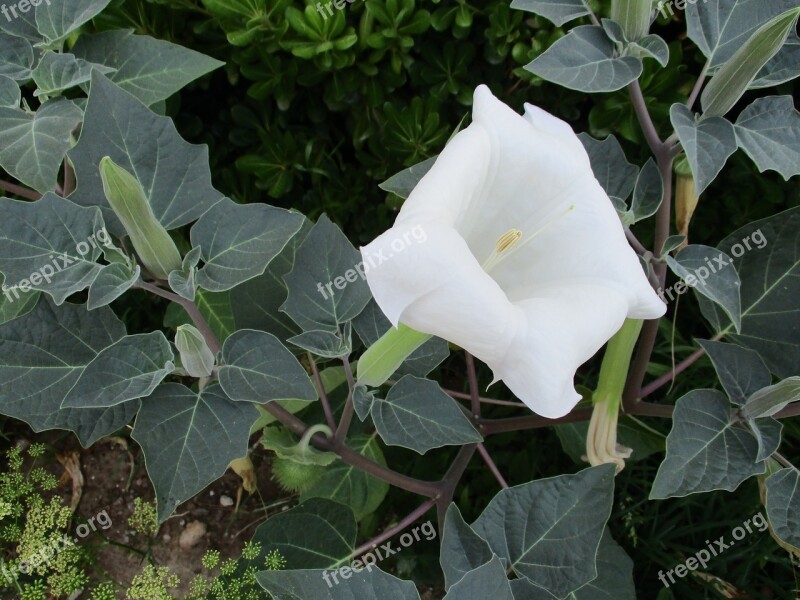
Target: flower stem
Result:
[[349, 407], [374, 542], [323, 397], [492, 466], [475, 400], [19, 190]]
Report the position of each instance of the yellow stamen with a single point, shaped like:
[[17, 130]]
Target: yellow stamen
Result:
[[508, 239], [507, 244]]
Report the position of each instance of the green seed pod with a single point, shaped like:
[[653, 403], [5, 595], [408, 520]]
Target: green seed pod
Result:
[[294, 476], [196, 357], [126, 196], [633, 16]]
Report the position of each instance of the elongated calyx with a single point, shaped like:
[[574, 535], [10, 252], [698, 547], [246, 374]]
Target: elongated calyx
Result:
[[150, 239], [633, 16], [196, 357]]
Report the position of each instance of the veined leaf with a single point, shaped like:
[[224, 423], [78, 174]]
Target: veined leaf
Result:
[[769, 131], [55, 20], [557, 11], [741, 371]]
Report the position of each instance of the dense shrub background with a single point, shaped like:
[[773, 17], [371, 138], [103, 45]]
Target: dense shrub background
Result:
[[313, 114]]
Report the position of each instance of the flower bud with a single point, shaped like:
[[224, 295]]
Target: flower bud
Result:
[[196, 357], [633, 16], [126, 196]]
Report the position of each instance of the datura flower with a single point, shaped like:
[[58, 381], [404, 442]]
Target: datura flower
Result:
[[525, 263]]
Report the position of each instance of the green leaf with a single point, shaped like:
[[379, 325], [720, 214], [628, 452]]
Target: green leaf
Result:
[[45, 245], [130, 368], [325, 286], [772, 399], [706, 451], [371, 324], [183, 281], [766, 254], [309, 584], [353, 487], [325, 343], [463, 550], [741, 371], [783, 505], [417, 414], [57, 72], [256, 303], [721, 287], [708, 143], [729, 84], [11, 307], [174, 174], [238, 241], [648, 193], [33, 145], [557, 11], [10, 94], [196, 357], [16, 57], [42, 355], [721, 27], [258, 368], [614, 574], [24, 26], [768, 433], [404, 182], [549, 530], [56, 19], [150, 69], [189, 439], [610, 167], [111, 282], [487, 581], [650, 46], [317, 534], [769, 131], [584, 60]]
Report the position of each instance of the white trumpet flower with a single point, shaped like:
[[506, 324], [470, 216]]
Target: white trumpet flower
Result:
[[526, 265]]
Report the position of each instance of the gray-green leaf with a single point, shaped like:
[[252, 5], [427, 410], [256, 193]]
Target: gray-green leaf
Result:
[[741, 371], [311, 584], [33, 145], [238, 241], [174, 174], [45, 245], [766, 255], [57, 72], [404, 182], [150, 69], [10, 94], [16, 57], [557, 11], [694, 266], [417, 414], [326, 344], [549, 530], [111, 282], [130, 368], [463, 550], [610, 167], [772, 399], [56, 19], [584, 60], [783, 505], [769, 131], [42, 355], [325, 286], [487, 581], [258, 368], [189, 439], [708, 143], [705, 450]]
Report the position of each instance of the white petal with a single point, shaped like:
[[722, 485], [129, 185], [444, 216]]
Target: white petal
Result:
[[437, 287], [565, 327]]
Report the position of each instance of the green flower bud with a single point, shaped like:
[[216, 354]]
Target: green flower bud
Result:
[[196, 357], [126, 196], [633, 16]]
